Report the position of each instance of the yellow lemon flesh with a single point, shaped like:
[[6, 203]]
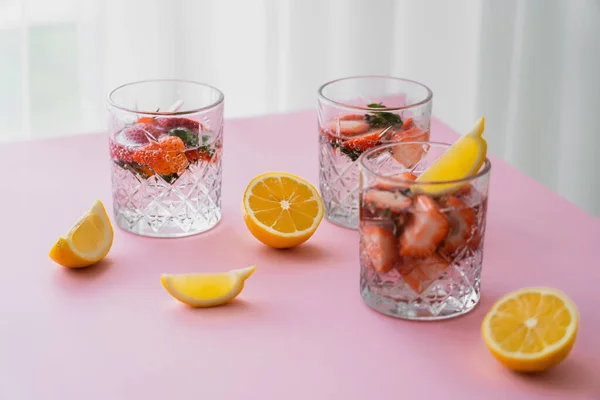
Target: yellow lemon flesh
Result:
[[206, 290], [282, 210], [88, 241], [463, 159], [532, 329]]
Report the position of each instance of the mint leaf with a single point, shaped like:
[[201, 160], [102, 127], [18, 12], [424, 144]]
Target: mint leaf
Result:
[[382, 119], [189, 137], [170, 178], [353, 154], [206, 149]]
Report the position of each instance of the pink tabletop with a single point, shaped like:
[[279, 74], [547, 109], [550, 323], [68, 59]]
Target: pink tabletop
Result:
[[299, 330]]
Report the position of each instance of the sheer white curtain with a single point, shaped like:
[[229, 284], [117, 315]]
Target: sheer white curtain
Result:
[[539, 87], [59, 59], [529, 66]]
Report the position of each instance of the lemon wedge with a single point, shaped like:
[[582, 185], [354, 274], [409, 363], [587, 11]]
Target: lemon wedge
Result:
[[205, 289], [88, 241], [282, 210], [463, 159], [531, 329]]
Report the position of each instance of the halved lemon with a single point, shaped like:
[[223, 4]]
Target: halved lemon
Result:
[[282, 210], [531, 329], [88, 241], [206, 290], [463, 159]]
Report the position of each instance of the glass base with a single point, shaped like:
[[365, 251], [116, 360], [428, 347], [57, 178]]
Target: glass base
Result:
[[152, 206], [170, 229], [420, 311], [343, 220]]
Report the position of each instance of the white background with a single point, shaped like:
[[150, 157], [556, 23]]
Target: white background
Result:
[[530, 66]]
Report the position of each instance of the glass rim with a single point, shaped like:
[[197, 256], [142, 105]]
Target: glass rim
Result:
[[426, 100], [112, 103], [484, 170]]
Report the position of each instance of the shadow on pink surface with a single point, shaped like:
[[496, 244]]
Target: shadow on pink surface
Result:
[[236, 306], [87, 273], [574, 375], [308, 255], [225, 316]]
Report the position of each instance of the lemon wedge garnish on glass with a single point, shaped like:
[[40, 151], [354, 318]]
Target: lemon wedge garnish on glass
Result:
[[206, 289], [88, 241], [463, 159]]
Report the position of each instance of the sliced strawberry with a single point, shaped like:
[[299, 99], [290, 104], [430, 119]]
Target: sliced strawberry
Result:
[[348, 125], [171, 123], [139, 135], [419, 273], [165, 157], [146, 120], [470, 195], [464, 190], [426, 229], [192, 155], [383, 200], [409, 123], [414, 134], [478, 235], [462, 220], [134, 136], [171, 143], [476, 241], [351, 117], [198, 155], [387, 185], [146, 171], [331, 127], [408, 176], [378, 246], [120, 153], [362, 143], [409, 154]]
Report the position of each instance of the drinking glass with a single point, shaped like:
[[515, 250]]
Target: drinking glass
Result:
[[354, 115], [166, 144], [421, 243]]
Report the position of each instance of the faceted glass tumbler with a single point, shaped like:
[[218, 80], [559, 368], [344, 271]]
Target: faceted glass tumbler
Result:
[[354, 115], [421, 243], [166, 145]]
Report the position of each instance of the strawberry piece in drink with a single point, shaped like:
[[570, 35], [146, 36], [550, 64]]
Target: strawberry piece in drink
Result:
[[139, 135], [426, 229], [409, 123], [348, 125], [464, 190], [401, 178], [119, 152], [350, 117], [383, 200], [379, 245], [146, 120], [168, 124], [171, 143], [165, 157], [470, 196], [199, 155], [362, 143], [463, 220], [419, 273], [408, 176], [409, 155]]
